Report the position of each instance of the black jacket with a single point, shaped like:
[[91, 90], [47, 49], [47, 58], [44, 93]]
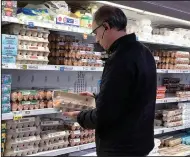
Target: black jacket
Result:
[[125, 106]]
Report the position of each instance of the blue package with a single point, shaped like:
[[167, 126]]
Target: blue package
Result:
[[6, 108], [6, 79], [6, 89], [5, 98], [9, 39], [9, 49], [8, 59]]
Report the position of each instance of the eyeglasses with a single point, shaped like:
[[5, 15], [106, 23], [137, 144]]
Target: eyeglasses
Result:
[[94, 31]]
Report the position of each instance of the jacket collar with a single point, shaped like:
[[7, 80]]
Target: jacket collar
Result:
[[124, 39]]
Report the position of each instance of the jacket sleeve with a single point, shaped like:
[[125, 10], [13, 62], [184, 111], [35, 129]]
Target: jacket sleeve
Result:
[[109, 102]]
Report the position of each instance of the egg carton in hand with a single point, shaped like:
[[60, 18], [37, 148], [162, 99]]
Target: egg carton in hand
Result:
[[22, 151], [23, 132], [53, 145], [23, 142]]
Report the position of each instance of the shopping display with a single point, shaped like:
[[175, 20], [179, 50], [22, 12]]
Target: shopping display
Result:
[[68, 50], [53, 37], [172, 59]]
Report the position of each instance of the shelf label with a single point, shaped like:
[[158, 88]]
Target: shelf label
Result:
[[31, 24], [17, 116], [62, 68], [33, 67]]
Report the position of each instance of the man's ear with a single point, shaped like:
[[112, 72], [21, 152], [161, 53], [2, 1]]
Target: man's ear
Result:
[[106, 26]]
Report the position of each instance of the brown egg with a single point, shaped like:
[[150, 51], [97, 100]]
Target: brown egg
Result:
[[14, 96], [57, 103], [20, 107], [14, 106], [37, 106], [30, 97], [42, 104], [25, 97], [20, 96], [50, 104], [48, 95], [41, 94], [26, 107]]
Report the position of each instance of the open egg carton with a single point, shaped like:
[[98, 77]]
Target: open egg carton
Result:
[[33, 43], [72, 102]]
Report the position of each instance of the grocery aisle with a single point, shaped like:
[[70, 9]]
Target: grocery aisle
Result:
[[48, 53]]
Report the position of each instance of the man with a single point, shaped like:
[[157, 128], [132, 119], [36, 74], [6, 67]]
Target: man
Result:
[[125, 106]]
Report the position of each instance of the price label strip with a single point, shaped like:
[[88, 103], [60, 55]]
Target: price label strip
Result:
[[17, 116]]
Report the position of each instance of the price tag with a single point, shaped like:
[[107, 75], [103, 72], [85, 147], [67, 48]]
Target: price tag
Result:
[[24, 67], [17, 116], [61, 68], [31, 24], [27, 112], [33, 67], [85, 68]]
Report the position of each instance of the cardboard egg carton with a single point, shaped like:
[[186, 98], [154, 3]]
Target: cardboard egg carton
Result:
[[71, 101], [52, 135], [24, 30], [24, 122], [28, 59], [23, 142], [53, 145], [23, 132], [22, 151]]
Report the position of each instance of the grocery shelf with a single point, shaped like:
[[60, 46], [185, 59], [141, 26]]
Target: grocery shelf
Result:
[[57, 27], [65, 150], [50, 67], [171, 99], [7, 116], [50, 26], [73, 68], [185, 71], [161, 130]]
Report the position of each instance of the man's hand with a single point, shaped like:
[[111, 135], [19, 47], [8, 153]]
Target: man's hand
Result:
[[87, 94], [73, 114]]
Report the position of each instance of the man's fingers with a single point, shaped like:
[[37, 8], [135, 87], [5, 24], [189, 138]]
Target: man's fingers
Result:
[[71, 114], [83, 93]]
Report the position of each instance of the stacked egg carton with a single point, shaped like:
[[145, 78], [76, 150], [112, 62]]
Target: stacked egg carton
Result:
[[78, 135], [52, 137], [185, 106], [6, 90], [33, 43], [160, 92], [67, 50], [172, 59], [23, 136], [171, 117], [31, 99], [144, 29]]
